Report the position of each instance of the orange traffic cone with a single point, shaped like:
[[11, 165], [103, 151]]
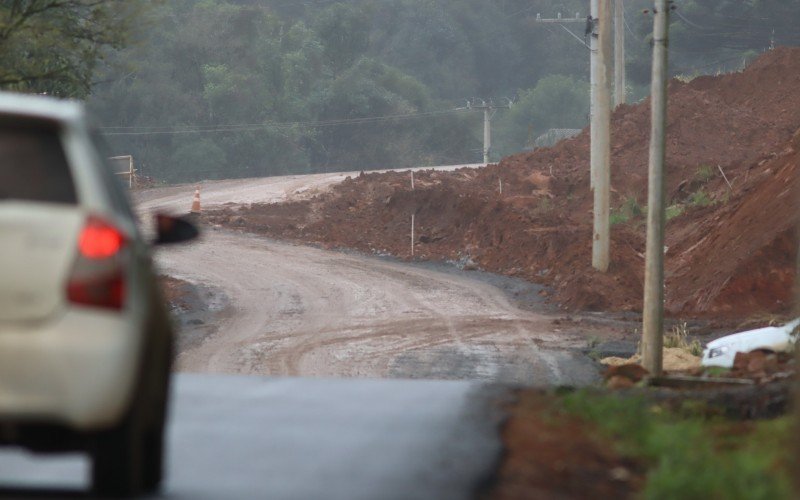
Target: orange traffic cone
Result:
[[195, 203]]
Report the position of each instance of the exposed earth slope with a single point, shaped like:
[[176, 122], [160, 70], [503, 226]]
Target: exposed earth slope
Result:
[[732, 186]]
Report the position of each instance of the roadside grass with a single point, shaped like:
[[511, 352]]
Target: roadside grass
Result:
[[697, 199], [704, 173], [675, 210], [618, 218], [688, 455], [629, 210], [679, 337], [700, 199], [716, 371]]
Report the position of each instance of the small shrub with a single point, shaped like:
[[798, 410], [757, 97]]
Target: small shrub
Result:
[[675, 211], [618, 218], [704, 173], [700, 199], [630, 209], [679, 337]]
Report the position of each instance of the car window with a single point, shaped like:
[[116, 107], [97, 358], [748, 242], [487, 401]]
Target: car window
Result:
[[33, 166]]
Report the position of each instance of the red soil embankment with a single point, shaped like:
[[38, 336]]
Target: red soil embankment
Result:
[[733, 148]]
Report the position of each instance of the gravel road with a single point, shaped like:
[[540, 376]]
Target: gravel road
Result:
[[300, 311]]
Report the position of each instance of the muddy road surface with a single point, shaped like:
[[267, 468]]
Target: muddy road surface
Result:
[[290, 310]]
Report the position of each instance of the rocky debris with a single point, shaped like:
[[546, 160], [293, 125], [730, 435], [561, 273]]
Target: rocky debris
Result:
[[625, 375], [674, 359], [763, 366], [683, 371]]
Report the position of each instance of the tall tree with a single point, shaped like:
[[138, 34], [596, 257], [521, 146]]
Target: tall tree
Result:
[[54, 46]]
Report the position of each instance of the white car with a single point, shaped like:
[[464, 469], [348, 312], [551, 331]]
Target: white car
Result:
[[85, 340], [722, 351]]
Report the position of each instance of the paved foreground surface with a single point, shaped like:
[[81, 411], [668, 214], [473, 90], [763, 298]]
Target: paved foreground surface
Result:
[[255, 437]]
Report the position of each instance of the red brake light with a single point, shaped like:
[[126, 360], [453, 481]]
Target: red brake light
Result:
[[100, 240], [98, 275]]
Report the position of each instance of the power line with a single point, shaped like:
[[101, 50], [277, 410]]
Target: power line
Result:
[[157, 130], [690, 23]]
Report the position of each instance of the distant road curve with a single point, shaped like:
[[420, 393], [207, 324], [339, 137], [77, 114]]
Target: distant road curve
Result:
[[256, 190]]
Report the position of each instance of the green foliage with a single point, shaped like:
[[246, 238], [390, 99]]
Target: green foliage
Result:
[[196, 155], [343, 30], [715, 371], [55, 46], [629, 210], [618, 218], [678, 337], [279, 67], [631, 206], [255, 81], [557, 101], [675, 210], [704, 173], [689, 456], [700, 199]]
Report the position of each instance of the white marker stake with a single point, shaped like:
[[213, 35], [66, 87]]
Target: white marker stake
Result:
[[412, 235], [501, 186], [412, 180], [725, 177]]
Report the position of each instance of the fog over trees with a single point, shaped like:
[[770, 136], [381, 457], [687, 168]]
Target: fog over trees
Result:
[[202, 89]]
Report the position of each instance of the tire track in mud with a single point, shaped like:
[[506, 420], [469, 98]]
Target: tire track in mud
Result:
[[300, 311]]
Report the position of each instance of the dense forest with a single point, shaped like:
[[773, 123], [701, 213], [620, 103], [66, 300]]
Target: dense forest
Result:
[[199, 89]]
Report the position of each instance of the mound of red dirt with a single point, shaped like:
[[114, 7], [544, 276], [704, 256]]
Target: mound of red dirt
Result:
[[732, 184]]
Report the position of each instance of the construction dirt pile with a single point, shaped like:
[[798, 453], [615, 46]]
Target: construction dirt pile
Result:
[[733, 148]]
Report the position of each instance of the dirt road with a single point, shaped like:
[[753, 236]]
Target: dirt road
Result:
[[300, 311]]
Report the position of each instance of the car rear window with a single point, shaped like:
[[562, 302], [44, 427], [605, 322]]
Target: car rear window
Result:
[[33, 166]]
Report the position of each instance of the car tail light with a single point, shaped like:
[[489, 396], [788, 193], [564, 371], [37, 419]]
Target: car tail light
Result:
[[98, 274]]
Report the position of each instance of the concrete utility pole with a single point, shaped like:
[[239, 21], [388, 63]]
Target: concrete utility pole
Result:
[[598, 31], [564, 20], [594, 6], [560, 19], [487, 133], [653, 318], [601, 134], [620, 89], [489, 109]]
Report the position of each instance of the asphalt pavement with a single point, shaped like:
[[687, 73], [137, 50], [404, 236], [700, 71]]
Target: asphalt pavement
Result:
[[289, 438]]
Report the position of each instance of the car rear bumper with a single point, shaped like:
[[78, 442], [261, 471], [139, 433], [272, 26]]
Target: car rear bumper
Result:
[[77, 371]]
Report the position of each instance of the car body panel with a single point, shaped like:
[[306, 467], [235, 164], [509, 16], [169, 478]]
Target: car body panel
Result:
[[33, 263], [67, 373], [63, 363], [772, 338]]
